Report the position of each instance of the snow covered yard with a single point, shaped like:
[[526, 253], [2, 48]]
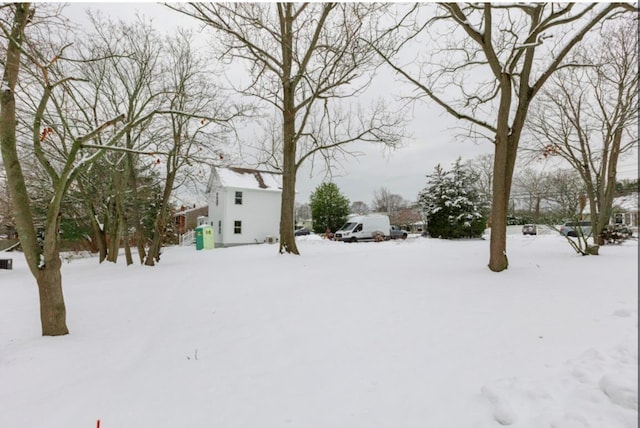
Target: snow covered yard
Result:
[[414, 333]]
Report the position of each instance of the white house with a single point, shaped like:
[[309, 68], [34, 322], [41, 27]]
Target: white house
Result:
[[244, 206], [625, 210]]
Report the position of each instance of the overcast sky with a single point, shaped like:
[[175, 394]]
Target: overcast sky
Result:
[[402, 171]]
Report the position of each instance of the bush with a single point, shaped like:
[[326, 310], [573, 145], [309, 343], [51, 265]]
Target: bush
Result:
[[452, 205], [329, 208]]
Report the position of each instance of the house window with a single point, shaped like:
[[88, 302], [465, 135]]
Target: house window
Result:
[[219, 226], [237, 227], [238, 198], [216, 199]]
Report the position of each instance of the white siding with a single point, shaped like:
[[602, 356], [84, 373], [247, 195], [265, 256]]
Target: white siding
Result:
[[217, 215], [259, 212]]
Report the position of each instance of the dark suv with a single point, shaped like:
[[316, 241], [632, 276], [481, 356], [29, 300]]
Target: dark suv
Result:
[[301, 232], [397, 233]]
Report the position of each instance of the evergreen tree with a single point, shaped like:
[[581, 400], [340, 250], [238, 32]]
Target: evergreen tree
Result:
[[329, 208], [452, 205]]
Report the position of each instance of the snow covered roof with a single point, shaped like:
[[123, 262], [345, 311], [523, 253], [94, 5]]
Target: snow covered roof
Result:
[[184, 210], [627, 202], [244, 178]]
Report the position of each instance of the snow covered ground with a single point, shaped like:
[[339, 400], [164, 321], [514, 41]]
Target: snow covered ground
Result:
[[415, 333]]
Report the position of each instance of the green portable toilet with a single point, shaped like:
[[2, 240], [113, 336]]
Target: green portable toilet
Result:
[[204, 237], [199, 237]]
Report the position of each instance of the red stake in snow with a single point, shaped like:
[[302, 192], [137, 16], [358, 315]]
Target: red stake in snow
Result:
[[98, 424]]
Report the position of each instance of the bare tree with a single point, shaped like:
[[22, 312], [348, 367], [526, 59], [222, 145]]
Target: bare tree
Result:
[[305, 60], [128, 80], [532, 185], [588, 116], [565, 188], [61, 168], [387, 202], [493, 59], [482, 169], [167, 82], [196, 126], [45, 80], [303, 213], [359, 207]]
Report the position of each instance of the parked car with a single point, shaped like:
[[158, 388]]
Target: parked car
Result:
[[572, 228], [529, 229], [302, 231], [397, 233]]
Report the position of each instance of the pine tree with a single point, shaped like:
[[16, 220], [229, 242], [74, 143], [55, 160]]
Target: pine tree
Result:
[[329, 208], [451, 204]]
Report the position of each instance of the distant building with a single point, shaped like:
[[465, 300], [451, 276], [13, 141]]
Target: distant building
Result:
[[186, 219], [409, 219], [244, 206], [625, 210]]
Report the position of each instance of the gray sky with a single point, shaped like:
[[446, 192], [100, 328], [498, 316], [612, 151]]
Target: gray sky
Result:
[[401, 171]]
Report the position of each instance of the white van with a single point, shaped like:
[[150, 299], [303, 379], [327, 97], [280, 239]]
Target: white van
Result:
[[363, 227]]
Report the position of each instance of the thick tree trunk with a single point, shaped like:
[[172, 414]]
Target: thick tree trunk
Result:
[[287, 236], [153, 255], [127, 248], [498, 240], [287, 205], [46, 271], [15, 177], [53, 313], [610, 172], [503, 166], [100, 240], [125, 234], [114, 240], [135, 209]]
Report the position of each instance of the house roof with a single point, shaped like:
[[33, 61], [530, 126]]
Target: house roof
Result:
[[628, 202], [245, 178], [195, 210]]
